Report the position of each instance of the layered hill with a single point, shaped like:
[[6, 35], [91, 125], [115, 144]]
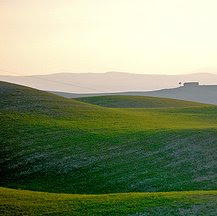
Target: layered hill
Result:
[[53, 144], [201, 93], [119, 101]]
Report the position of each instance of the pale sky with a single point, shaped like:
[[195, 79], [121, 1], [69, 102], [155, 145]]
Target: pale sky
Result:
[[138, 36]]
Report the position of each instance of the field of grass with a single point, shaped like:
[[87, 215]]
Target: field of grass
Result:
[[117, 101], [52, 144], [20, 202]]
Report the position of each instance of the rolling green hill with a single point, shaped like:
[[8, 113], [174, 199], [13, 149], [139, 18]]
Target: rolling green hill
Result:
[[53, 144], [118, 101], [20, 202]]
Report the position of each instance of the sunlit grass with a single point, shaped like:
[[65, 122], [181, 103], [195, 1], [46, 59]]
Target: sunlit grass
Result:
[[18, 202]]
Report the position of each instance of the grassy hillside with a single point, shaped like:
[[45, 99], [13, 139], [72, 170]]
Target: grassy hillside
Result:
[[117, 101], [19, 202], [53, 144], [16, 98]]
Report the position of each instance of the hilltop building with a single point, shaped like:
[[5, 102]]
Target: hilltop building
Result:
[[191, 84]]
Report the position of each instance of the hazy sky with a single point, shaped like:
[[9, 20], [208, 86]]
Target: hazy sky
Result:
[[140, 36]]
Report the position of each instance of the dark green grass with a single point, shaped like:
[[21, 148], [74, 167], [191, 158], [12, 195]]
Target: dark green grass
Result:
[[118, 101], [19, 202], [59, 145], [53, 144]]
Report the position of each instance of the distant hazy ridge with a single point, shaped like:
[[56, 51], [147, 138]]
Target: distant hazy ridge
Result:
[[108, 82]]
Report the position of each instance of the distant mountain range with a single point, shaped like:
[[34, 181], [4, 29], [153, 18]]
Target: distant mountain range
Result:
[[108, 82]]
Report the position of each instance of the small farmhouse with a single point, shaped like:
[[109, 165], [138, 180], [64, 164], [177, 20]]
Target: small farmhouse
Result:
[[191, 84]]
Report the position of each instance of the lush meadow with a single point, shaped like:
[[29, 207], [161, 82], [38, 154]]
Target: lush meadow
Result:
[[52, 144]]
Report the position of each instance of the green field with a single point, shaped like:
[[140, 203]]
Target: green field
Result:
[[118, 101], [52, 144], [19, 202]]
